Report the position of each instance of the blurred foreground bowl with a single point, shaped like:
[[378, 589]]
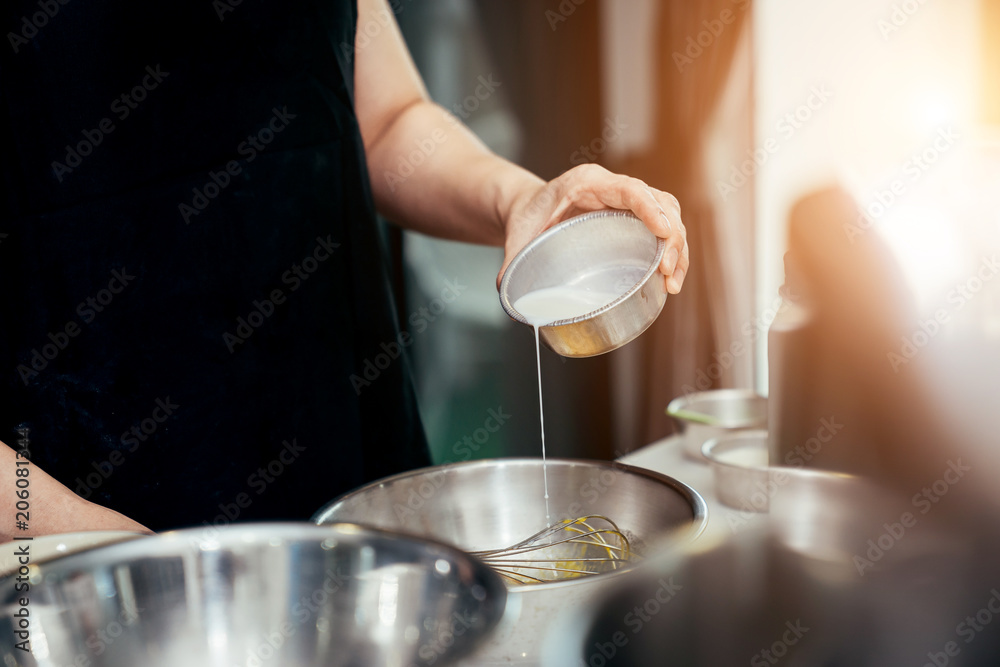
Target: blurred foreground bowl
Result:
[[275, 594]]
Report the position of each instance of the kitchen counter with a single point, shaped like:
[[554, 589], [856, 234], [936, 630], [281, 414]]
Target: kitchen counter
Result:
[[667, 457]]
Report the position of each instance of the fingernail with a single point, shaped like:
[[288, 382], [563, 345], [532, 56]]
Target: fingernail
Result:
[[671, 260], [666, 220], [678, 279]]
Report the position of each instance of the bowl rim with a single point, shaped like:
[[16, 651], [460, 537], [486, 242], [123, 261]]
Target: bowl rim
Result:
[[79, 542], [683, 534], [679, 405], [757, 435], [661, 246], [262, 532], [804, 472]]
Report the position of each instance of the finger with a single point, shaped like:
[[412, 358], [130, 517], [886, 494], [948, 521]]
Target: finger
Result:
[[684, 261], [595, 187], [676, 281], [669, 261], [676, 241], [591, 187]]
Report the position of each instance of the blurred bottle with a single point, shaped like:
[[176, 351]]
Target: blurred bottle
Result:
[[788, 353]]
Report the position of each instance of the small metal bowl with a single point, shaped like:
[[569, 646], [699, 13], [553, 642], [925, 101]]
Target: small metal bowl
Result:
[[609, 251], [712, 414], [810, 509], [740, 466]]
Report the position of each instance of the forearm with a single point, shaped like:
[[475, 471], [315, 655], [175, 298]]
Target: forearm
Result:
[[429, 173], [43, 496], [51, 507]]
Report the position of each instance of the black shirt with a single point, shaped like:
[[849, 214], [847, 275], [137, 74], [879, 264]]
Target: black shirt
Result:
[[191, 274]]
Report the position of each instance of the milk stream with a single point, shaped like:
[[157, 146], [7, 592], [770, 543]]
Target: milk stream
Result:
[[541, 423], [541, 308]]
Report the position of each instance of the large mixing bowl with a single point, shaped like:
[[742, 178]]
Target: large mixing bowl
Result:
[[607, 251], [258, 594], [495, 503]]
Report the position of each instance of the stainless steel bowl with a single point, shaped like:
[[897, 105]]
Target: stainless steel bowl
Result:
[[739, 465], [710, 414], [609, 251], [492, 504], [274, 594], [810, 509], [496, 503]]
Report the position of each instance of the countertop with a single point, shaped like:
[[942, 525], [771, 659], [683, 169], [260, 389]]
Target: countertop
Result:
[[667, 457]]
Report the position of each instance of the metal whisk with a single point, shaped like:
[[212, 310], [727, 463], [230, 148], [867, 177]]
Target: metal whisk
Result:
[[571, 548]]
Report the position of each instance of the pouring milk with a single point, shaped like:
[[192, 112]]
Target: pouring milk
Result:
[[543, 307]]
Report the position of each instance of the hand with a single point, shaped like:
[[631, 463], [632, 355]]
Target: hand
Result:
[[590, 187]]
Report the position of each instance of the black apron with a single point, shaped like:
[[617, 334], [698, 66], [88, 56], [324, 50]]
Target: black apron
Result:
[[197, 324]]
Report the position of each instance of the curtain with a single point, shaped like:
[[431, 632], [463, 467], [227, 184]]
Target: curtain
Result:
[[695, 50]]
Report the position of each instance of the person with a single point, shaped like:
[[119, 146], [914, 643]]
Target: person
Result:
[[191, 264]]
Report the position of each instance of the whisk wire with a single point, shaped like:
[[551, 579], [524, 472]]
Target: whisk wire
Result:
[[588, 550]]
